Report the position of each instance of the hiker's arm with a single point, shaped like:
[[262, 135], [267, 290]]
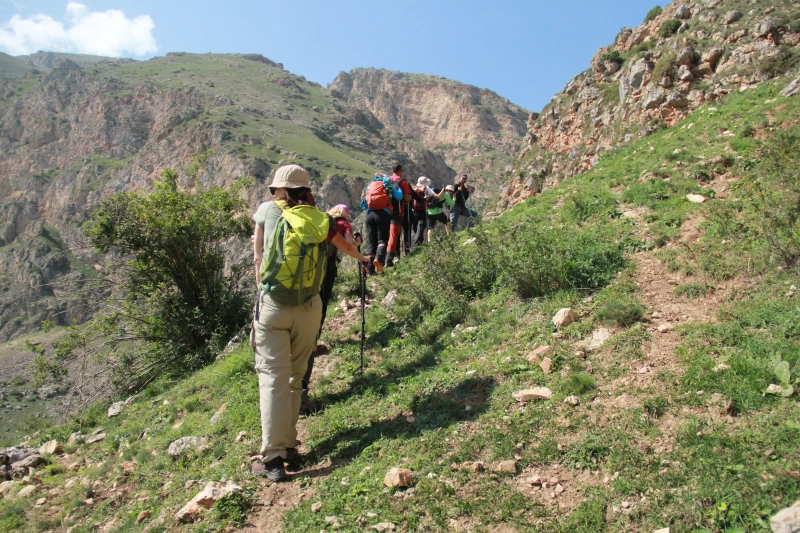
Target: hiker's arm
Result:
[[438, 195], [258, 243], [348, 248]]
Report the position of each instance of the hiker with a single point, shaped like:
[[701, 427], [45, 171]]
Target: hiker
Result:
[[398, 219], [378, 204], [289, 253], [435, 204], [341, 216], [419, 208], [462, 193]]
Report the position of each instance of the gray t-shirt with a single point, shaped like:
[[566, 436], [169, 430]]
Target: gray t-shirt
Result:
[[267, 217]]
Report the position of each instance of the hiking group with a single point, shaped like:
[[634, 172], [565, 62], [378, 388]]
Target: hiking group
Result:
[[295, 253]]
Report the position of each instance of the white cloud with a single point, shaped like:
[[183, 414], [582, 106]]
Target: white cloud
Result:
[[104, 33]]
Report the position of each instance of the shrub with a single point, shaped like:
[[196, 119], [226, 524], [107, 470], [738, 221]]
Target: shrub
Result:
[[773, 189], [621, 312], [175, 297], [580, 383], [669, 28], [653, 13], [613, 56], [693, 290], [663, 67], [779, 64], [656, 406]]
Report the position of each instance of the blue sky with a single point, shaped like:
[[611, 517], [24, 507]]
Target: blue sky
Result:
[[524, 50]]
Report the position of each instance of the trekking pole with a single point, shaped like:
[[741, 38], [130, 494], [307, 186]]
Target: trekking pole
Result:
[[363, 282]]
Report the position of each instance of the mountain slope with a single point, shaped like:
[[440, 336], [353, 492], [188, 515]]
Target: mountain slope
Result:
[[658, 416], [654, 76], [72, 135]]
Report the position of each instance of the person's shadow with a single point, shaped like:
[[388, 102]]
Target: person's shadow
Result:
[[465, 401]]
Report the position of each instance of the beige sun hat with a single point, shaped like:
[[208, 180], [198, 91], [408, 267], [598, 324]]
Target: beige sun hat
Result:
[[423, 181], [290, 177]]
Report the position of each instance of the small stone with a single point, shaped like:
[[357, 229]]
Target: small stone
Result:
[[115, 409], [696, 198], [720, 367], [88, 502], [508, 466], [388, 300], [218, 414], [536, 355], [186, 444], [663, 530], [384, 526], [51, 448], [205, 499], [626, 505], [27, 491], [144, 515], [545, 365], [398, 477], [96, 438], [128, 467], [564, 317], [787, 520], [41, 501], [411, 419], [240, 436], [559, 489], [572, 400], [665, 327], [316, 506], [536, 393]]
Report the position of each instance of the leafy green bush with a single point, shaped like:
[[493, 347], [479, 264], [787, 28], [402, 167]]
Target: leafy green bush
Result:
[[693, 290], [613, 56], [653, 13], [669, 28], [773, 190], [175, 298]]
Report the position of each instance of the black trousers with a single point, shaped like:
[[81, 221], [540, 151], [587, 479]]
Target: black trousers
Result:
[[377, 229], [325, 293], [419, 223]]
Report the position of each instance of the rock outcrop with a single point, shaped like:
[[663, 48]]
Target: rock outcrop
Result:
[[474, 130], [647, 80]]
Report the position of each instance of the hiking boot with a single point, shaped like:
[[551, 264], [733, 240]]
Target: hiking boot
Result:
[[294, 461], [376, 267], [307, 407], [389, 261], [272, 470]]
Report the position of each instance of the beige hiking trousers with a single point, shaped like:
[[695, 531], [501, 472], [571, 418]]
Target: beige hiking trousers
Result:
[[285, 335]]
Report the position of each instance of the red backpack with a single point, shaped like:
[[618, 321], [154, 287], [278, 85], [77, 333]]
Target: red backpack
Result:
[[378, 196]]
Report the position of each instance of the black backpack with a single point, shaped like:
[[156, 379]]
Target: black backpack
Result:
[[436, 203]]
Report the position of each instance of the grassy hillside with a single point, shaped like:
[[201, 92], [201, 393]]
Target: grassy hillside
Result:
[[666, 422], [12, 67]]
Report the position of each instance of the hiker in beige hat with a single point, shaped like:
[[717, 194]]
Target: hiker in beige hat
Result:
[[289, 252]]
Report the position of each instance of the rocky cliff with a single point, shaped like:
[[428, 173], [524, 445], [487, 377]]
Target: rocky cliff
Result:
[[654, 76], [474, 130], [73, 131]]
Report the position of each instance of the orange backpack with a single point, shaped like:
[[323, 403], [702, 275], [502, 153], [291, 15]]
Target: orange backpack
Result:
[[378, 195]]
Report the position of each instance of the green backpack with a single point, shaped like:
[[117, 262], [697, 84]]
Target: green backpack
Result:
[[294, 256]]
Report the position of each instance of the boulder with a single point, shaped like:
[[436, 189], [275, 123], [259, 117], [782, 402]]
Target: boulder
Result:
[[97, 437], [696, 198], [564, 317], [683, 13], [115, 409], [654, 98], [685, 73], [536, 393], [546, 364], [677, 101], [787, 520], [6, 487], [32, 461], [685, 56], [205, 499], [398, 477], [388, 300], [144, 515], [27, 491], [712, 56], [637, 73], [572, 400], [791, 89], [766, 27], [51, 447], [186, 444], [731, 17]]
